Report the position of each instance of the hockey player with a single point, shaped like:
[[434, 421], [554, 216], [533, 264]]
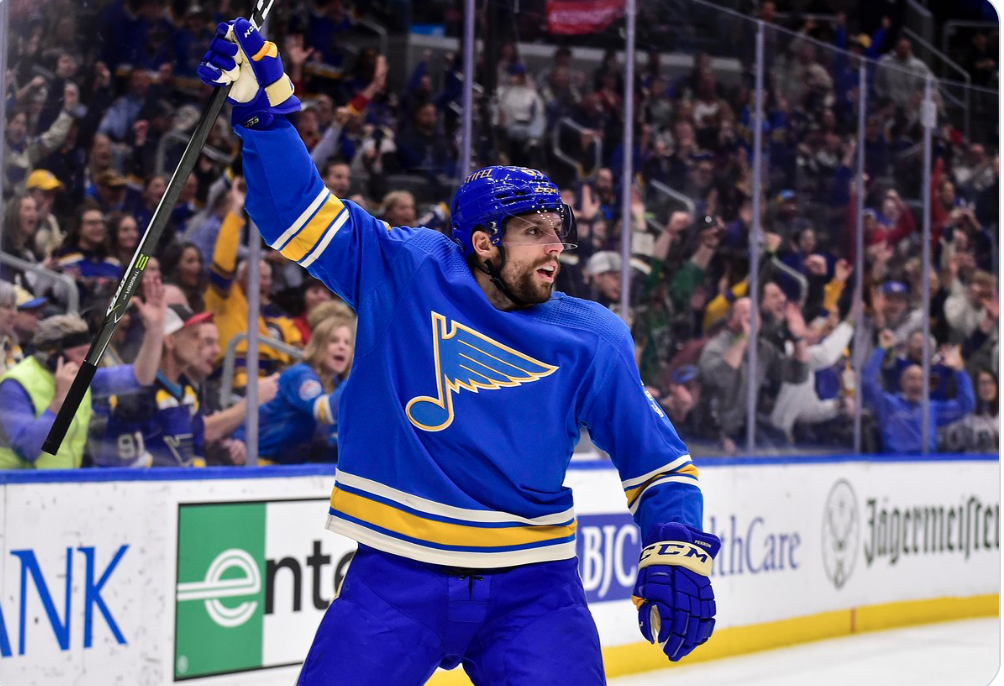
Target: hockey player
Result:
[[471, 382]]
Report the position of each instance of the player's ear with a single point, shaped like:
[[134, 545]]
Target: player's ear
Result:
[[482, 245]]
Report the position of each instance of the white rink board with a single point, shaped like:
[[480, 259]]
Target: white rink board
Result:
[[161, 529]]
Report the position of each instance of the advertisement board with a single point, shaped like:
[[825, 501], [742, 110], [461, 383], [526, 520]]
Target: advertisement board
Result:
[[162, 578]]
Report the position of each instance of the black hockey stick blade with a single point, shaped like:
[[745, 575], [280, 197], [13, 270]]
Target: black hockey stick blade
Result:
[[145, 250]]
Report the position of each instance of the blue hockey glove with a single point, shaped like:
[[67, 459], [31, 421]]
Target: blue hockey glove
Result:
[[676, 606], [238, 54]]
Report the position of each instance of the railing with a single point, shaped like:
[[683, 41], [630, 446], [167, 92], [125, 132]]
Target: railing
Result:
[[230, 361], [568, 159], [376, 28], [663, 189], [72, 295], [803, 283]]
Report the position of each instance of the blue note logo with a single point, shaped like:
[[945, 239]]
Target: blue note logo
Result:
[[466, 359]]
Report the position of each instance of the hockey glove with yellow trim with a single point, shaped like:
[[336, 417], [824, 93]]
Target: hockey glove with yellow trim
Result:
[[238, 54], [676, 606]]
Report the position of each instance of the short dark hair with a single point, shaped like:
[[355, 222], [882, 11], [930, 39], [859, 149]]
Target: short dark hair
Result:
[[333, 162]]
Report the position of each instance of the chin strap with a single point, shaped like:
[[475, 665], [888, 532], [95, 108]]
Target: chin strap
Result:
[[495, 274]]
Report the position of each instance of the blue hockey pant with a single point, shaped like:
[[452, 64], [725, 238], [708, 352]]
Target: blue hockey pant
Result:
[[396, 620]]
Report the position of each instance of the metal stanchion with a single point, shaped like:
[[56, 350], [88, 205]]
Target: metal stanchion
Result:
[[755, 244], [627, 175], [468, 93], [859, 255], [254, 311], [3, 92], [928, 118]]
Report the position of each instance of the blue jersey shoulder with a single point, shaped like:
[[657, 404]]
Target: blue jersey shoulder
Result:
[[586, 315]]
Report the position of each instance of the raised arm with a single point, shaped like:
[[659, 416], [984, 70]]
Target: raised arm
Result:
[[334, 240]]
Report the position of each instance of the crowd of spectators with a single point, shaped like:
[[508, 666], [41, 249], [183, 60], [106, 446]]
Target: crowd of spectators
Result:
[[94, 127]]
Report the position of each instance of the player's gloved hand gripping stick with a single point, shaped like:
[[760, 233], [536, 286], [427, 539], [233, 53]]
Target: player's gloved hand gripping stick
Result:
[[133, 274], [676, 605]]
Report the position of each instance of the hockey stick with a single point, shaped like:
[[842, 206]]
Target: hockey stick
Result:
[[120, 301]]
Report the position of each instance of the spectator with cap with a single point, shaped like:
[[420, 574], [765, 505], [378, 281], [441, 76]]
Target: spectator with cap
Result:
[[899, 415], [30, 311], [301, 422], [191, 40], [603, 271], [890, 310], [43, 186], [845, 64], [10, 349], [162, 425], [682, 400], [32, 392], [787, 219], [112, 193]]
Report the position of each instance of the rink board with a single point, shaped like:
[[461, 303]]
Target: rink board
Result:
[[221, 576]]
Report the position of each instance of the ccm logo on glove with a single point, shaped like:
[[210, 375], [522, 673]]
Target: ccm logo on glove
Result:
[[678, 553]]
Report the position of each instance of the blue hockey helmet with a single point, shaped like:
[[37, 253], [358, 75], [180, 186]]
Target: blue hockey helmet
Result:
[[490, 196]]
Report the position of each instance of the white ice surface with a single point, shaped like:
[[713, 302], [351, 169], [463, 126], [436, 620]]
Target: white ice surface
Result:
[[963, 653]]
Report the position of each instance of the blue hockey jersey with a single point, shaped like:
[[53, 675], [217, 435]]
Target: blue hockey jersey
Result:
[[288, 423], [159, 426], [459, 420]]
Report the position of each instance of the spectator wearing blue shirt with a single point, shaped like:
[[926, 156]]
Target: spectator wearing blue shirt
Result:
[[899, 414], [118, 120], [302, 420], [941, 385]]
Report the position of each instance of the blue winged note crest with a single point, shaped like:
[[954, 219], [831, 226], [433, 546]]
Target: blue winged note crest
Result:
[[468, 360]]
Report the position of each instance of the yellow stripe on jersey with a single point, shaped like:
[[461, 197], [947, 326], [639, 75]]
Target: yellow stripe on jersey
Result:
[[634, 493], [443, 533], [303, 242], [321, 413]]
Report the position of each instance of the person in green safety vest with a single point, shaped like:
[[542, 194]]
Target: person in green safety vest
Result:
[[32, 392]]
